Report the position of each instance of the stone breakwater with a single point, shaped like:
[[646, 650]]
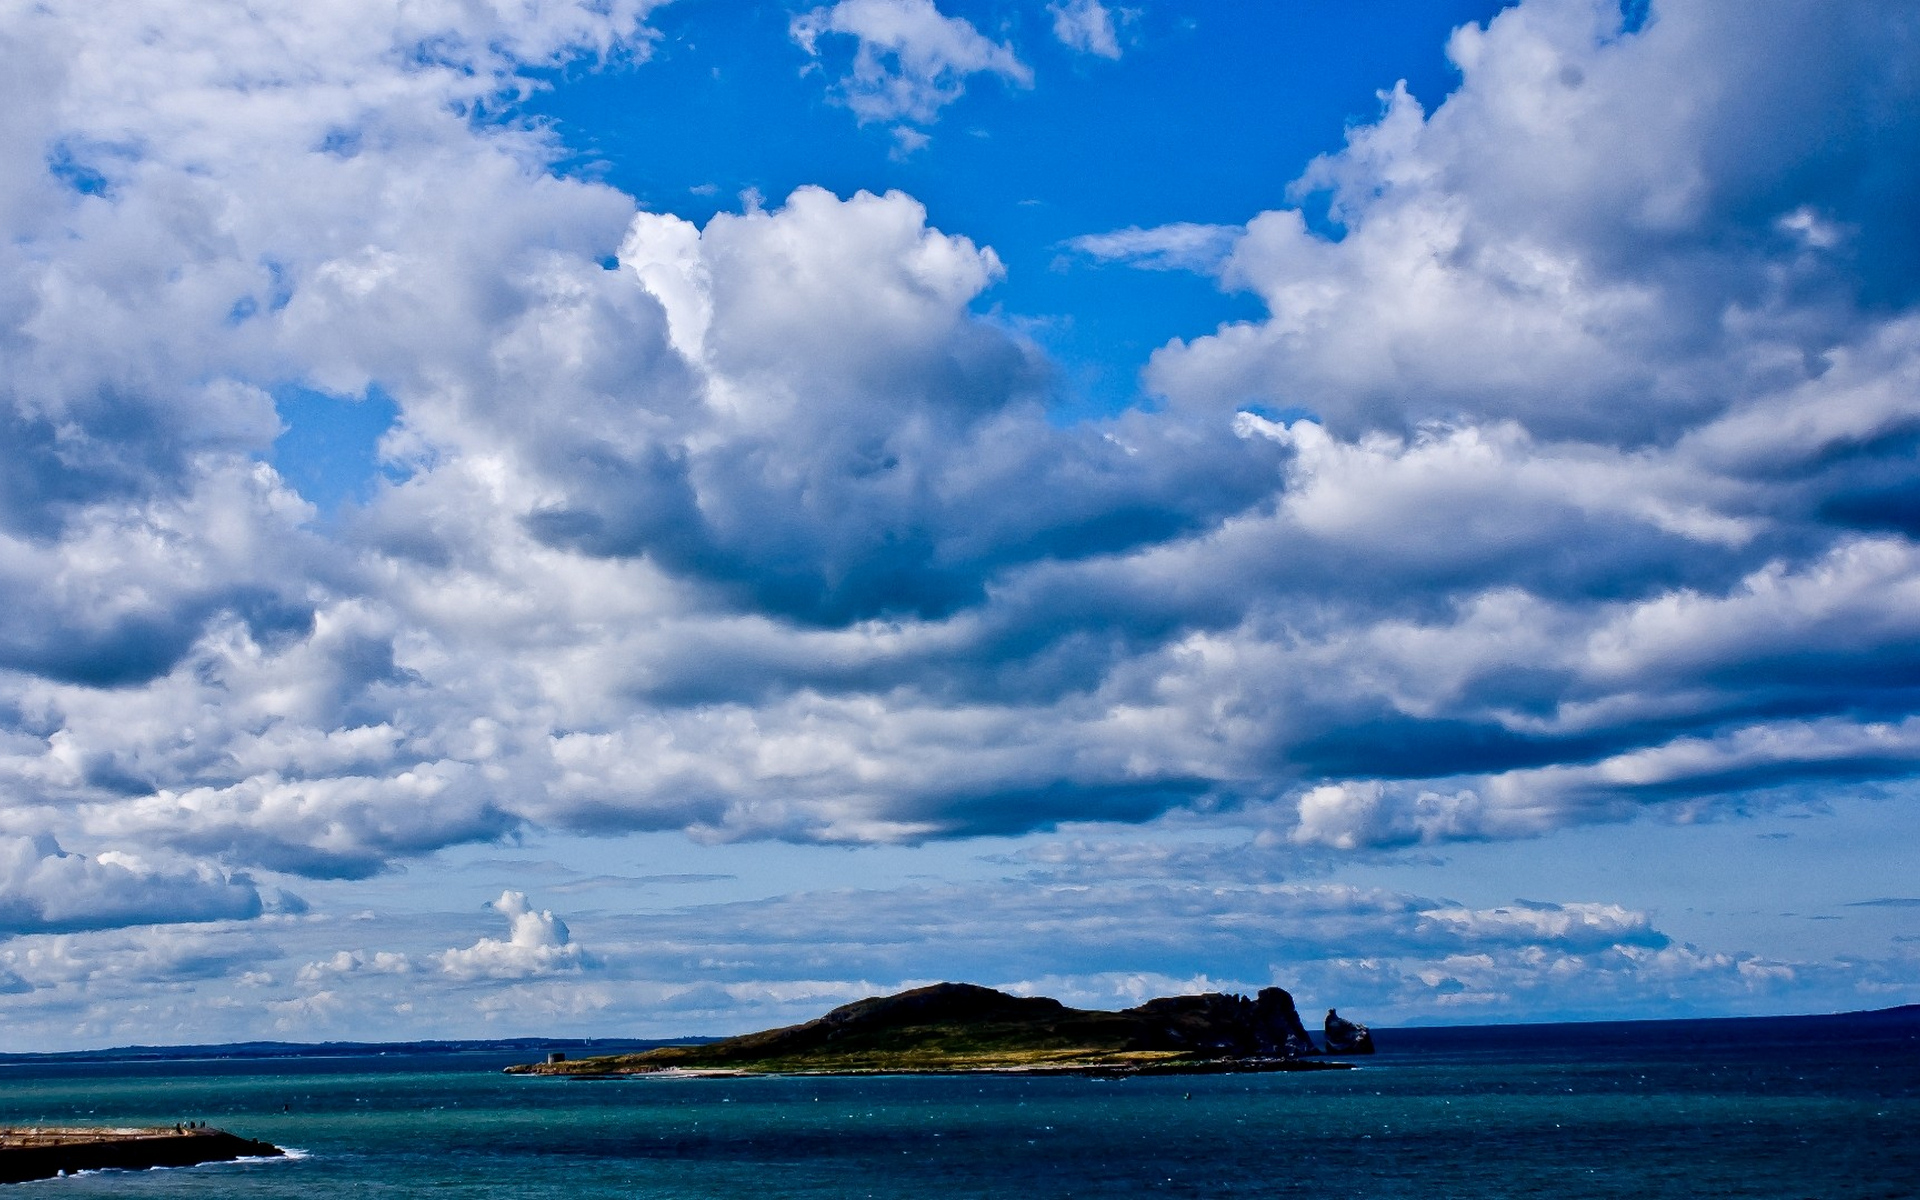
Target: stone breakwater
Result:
[[42, 1152]]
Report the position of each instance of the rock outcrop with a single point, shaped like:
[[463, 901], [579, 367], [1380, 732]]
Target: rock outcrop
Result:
[[1347, 1037]]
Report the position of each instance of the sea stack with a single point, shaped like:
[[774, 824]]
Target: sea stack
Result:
[[1347, 1037]]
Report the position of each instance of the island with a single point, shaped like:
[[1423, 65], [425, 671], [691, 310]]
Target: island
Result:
[[961, 1028], [44, 1151]]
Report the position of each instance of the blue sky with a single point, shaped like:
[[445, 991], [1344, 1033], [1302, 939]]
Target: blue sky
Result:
[[725, 105], [644, 518]]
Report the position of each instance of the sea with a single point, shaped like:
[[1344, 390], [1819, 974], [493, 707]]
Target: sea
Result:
[[1813, 1107]]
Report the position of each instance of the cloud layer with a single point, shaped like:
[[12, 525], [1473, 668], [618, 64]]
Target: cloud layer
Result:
[[1060, 929], [1569, 472]]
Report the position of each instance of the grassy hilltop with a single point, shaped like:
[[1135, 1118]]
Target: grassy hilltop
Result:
[[957, 1027]]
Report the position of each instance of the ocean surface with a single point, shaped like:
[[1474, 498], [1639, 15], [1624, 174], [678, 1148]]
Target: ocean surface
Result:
[[1824, 1108]]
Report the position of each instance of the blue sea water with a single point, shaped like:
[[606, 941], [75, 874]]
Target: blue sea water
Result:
[[1823, 1108]]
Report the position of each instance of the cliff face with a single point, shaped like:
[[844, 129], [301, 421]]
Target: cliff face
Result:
[[1231, 1026], [958, 1026]]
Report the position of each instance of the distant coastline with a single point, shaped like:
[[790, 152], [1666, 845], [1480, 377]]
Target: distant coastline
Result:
[[283, 1050], [1389, 1037]]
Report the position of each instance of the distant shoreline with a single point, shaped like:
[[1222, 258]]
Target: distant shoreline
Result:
[[1391, 1035], [239, 1051]]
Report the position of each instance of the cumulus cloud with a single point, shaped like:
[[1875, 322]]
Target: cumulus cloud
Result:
[[730, 526], [44, 889], [910, 59], [108, 963], [1513, 286], [165, 270], [354, 962], [537, 944], [1553, 220], [1569, 471]]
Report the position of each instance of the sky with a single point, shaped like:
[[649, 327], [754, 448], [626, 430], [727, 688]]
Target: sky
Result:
[[629, 518]]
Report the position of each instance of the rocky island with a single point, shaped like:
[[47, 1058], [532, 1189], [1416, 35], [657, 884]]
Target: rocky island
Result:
[[953, 1028], [44, 1151]]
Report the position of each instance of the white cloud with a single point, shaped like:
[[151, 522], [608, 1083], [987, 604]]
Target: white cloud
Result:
[[537, 944], [768, 533], [301, 1015], [1605, 501], [1179, 247], [1583, 926], [545, 1002], [113, 965], [911, 60], [1199, 915], [45, 889], [1086, 26], [1347, 816], [1560, 218], [354, 962]]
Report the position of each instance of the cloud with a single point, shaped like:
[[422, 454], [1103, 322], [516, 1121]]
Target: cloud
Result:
[[1171, 916], [44, 889], [354, 962], [1085, 929], [301, 1014], [1553, 221], [1571, 926], [537, 944], [1180, 247], [1567, 474], [1107, 942], [109, 966], [910, 60], [1086, 26]]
